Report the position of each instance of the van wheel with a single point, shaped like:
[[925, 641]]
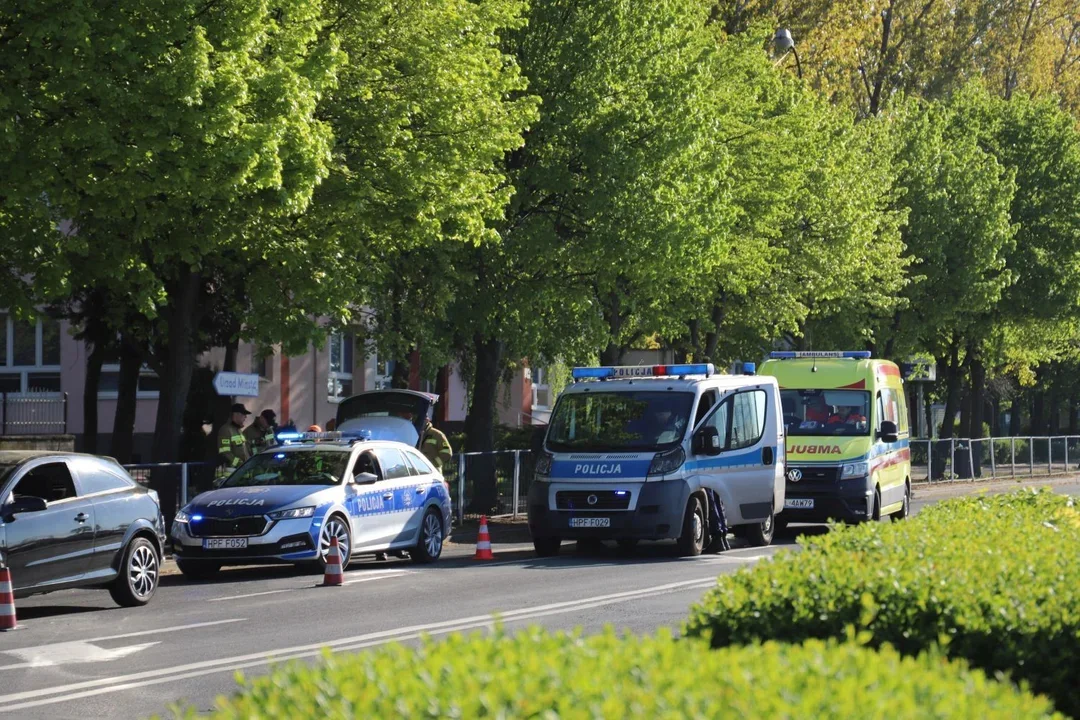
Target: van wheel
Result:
[[692, 540], [546, 546], [875, 514], [761, 534], [905, 508]]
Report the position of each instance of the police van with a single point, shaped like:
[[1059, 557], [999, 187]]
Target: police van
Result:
[[846, 423], [646, 453]]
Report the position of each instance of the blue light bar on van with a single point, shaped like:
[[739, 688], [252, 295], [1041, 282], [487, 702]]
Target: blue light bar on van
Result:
[[793, 355], [641, 371]]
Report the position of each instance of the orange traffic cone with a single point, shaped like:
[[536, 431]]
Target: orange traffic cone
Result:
[[7, 600], [483, 542], [333, 575]]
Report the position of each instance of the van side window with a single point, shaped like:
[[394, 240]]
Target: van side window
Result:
[[888, 407], [708, 399], [748, 419], [721, 420]]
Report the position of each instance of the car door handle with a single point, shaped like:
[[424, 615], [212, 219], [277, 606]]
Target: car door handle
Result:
[[767, 455], [388, 496], [420, 490], [82, 517]]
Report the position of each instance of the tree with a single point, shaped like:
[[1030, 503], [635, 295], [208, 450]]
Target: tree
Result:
[[170, 134]]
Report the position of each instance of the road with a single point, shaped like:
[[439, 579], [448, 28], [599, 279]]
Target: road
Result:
[[79, 656]]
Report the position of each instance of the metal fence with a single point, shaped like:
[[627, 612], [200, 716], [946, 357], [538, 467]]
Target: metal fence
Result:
[[993, 457], [175, 483], [495, 483], [33, 413]]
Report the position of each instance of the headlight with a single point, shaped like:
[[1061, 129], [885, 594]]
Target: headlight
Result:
[[667, 463], [543, 465], [182, 517], [292, 513], [855, 470]]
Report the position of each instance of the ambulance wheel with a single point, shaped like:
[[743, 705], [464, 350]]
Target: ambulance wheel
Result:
[[197, 569], [761, 534], [905, 508], [875, 513], [546, 546], [692, 540]]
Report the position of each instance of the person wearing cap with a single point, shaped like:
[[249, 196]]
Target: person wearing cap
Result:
[[232, 445], [260, 433]]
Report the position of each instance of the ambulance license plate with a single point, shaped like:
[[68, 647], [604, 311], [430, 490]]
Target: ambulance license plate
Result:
[[800, 503], [590, 522], [224, 543]]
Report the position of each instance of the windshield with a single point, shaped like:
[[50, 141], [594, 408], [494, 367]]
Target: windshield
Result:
[[601, 422], [303, 467], [826, 412]]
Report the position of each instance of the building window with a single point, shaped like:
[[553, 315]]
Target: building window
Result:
[[384, 373], [541, 391], [29, 355], [149, 385], [262, 362], [339, 383]]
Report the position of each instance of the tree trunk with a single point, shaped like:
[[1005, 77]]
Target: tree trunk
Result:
[[953, 379], [94, 360], [1074, 403], [995, 425], [977, 396], [123, 434], [1014, 415], [611, 355], [1055, 414], [1038, 417], [177, 362], [480, 424], [712, 338]]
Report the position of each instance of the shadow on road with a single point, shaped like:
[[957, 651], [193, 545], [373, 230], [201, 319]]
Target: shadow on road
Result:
[[47, 611]]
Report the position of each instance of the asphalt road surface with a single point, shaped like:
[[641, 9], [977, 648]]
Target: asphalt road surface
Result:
[[77, 655]]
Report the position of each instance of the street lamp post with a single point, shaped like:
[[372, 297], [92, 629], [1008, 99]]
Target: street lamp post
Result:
[[785, 43]]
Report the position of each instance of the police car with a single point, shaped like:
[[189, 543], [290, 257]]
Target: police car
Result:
[[655, 452], [284, 505]]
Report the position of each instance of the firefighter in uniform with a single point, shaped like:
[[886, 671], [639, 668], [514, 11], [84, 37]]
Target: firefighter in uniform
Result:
[[260, 433], [435, 446], [232, 448]]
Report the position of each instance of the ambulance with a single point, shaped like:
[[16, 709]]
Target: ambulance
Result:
[[654, 452], [846, 424]]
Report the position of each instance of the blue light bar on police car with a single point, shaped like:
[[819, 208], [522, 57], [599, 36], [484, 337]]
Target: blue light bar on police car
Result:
[[641, 371], [794, 355], [287, 437]]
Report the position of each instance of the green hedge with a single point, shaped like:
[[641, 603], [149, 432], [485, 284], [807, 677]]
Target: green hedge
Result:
[[995, 580], [536, 674]]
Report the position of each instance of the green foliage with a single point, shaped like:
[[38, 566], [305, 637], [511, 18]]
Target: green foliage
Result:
[[992, 579], [537, 674]]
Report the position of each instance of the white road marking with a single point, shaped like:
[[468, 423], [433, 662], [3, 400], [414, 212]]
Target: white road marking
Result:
[[159, 631], [367, 578], [101, 686], [70, 653]]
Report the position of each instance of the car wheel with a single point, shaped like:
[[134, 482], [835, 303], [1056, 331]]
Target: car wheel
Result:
[[140, 570], [198, 570], [905, 508], [761, 534], [429, 544], [546, 546], [779, 525], [336, 526], [692, 540]]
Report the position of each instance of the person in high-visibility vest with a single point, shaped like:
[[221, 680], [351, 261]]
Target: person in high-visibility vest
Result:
[[232, 447], [260, 433], [435, 446]]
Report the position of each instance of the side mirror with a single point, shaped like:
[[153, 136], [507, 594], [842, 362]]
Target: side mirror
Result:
[[27, 505], [888, 432], [365, 478], [707, 441]]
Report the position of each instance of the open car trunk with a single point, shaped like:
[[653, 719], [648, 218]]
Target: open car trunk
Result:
[[387, 414]]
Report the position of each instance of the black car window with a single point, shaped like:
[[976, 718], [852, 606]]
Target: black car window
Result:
[[419, 465], [50, 482], [367, 463], [393, 464], [95, 477]]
